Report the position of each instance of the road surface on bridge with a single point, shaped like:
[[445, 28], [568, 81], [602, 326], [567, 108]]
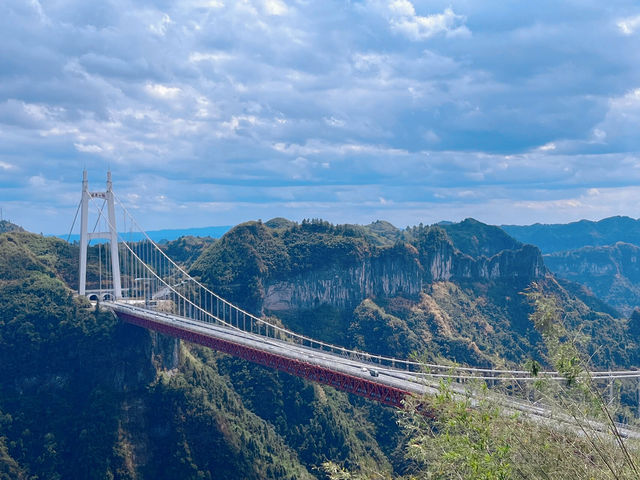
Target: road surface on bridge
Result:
[[407, 382]]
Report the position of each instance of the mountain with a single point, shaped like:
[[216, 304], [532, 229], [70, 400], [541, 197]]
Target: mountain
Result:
[[476, 238], [600, 255], [384, 230], [612, 272], [6, 226], [572, 236], [185, 250], [84, 396], [423, 293]]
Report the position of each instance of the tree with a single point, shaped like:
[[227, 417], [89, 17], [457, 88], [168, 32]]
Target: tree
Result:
[[468, 436]]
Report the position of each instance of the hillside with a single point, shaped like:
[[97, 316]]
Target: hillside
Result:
[[476, 238], [422, 294], [6, 226], [83, 396], [601, 255]]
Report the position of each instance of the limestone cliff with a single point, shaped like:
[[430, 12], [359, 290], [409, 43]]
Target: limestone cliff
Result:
[[398, 270]]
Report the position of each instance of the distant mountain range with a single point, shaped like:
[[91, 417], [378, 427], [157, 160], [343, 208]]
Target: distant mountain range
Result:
[[570, 236], [611, 272], [548, 237], [604, 256], [167, 234]]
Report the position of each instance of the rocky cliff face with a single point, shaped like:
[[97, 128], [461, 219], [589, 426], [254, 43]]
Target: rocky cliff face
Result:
[[394, 271], [315, 263], [417, 290], [402, 269]]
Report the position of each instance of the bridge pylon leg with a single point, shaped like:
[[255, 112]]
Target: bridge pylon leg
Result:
[[84, 234]]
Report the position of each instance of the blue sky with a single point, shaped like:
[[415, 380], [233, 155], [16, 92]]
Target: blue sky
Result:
[[213, 112]]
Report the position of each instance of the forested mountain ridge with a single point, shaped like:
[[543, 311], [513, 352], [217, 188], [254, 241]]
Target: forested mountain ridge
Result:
[[84, 396], [421, 292], [6, 226], [341, 265], [144, 406]]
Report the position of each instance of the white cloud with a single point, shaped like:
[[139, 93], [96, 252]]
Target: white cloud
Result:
[[402, 8], [37, 112], [331, 92], [236, 123], [37, 181], [629, 100], [404, 19], [619, 128], [40, 12], [275, 7], [211, 4], [547, 147], [564, 204], [60, 130], [162, 91], [599, 135], [628, 26], [334, 122], [430, 136], [88, 148], [196, 57], [161, 26]]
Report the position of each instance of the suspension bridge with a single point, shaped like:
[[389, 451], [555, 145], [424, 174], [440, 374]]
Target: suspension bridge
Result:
[[143, 286]]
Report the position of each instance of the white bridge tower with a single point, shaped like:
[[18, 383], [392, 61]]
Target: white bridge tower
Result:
[[111, 235]]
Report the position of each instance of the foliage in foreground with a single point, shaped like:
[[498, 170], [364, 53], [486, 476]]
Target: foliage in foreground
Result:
[[470, 436]]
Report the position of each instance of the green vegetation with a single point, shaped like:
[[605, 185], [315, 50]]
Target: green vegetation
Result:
[[185, 250], [611, 272], [468, 318], [57, 411], [475, 238], [201, 430], [6, 226], [83, 396], [469, 436], [599, 255]]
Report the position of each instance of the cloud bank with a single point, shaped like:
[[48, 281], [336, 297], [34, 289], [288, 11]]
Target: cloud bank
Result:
[[214, 112]]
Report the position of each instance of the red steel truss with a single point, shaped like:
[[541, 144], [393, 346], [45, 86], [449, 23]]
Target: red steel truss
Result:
[[360, 386]]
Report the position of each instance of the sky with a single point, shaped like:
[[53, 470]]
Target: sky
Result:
[[214, 112]]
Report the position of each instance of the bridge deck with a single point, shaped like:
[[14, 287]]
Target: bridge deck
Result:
[[346, 374], [390, 386]]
